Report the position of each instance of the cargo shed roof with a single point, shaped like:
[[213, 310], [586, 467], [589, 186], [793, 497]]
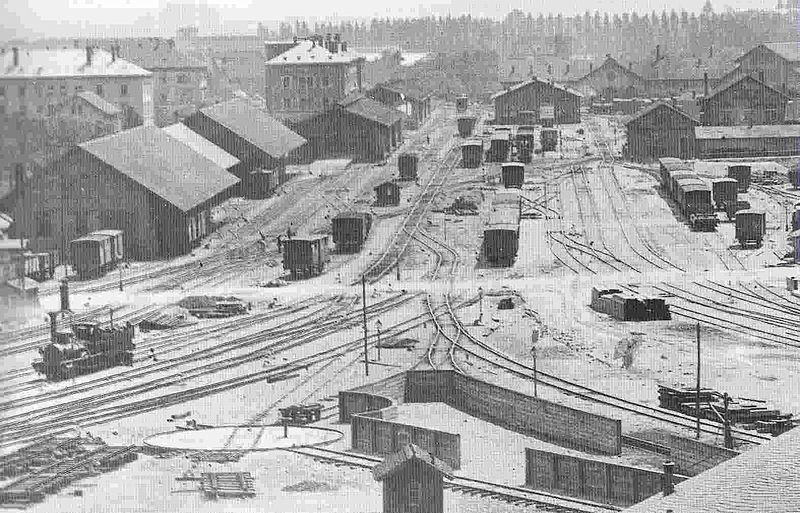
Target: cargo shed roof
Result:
[[163, 165], [255, 126], [747, 132], [765, 478]]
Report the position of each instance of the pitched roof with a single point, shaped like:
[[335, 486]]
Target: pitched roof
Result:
[[650, 108], [533, 81], [162, 164], [99, 103], [747, 132], [727, 85], [308, 52], [201, 145], [410, 452], [255, 126], [68, 62], [765, 478], [362, 106]]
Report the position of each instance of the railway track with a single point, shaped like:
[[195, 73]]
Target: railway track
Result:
[[518, 496], [514, 367]]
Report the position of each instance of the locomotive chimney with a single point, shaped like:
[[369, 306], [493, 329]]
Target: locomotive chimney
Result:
[[53, 325], [64, 293], [667, 485], [16, 56], [705, 84]]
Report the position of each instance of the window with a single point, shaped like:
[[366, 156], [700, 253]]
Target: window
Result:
[[287, 103], [287, 82], [99, 89], [22, 91], [44, 225], [325, 82], [123, 89]]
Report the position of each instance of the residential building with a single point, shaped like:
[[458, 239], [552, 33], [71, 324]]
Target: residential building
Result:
[[36, 83], [311, 78], [745, 101], [777, 65], [747, 141], [142, 181], [523, 103], [660, 130], [259, 141]]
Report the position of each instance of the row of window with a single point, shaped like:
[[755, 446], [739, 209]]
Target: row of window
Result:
[[22, 91], [305, 82]]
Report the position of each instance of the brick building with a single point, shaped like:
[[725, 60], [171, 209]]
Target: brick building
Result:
[[745, 101], [37, 82], [142, 181], [248, 133], [311, 77], [660, 130], [531, 96]]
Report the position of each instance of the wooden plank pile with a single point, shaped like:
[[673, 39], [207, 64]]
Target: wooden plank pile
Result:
[[217, 485]]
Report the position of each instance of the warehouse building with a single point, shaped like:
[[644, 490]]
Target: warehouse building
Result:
[[745, 101], [512, 106], [261, 143], [142, 181], [660, 130], [747, 141]]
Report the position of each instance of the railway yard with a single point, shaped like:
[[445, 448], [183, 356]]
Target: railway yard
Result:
[[421, 279]]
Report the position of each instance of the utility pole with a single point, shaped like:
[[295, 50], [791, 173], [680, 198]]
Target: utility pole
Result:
[[697, 394], [364, 309]]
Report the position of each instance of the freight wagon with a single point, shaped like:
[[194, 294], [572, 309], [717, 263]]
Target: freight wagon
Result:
[[549, 139], [726, 195], [350, 230], [472, 154], [462, 102], [750, 227], [88, 348], [501, 235], [407, 164], [465, 126], [306, 257], [513, 174], [499, 146], [742, 175]]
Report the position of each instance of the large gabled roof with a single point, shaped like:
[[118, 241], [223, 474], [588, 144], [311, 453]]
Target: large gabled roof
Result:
[[255, 126], [163, 165], [409, 453], [654, 106]]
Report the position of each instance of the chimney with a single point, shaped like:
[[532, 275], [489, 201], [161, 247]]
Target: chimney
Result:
[[658, 53], [16, 56], [88, 55], [53, 325], [63, 290], [668, 486], [705, 84]]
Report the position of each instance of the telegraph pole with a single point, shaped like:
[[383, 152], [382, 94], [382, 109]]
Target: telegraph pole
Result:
[[364, 309], [697, 394]]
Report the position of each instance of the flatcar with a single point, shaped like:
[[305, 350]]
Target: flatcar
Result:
[[407, 165], [750, 227], [501, 235], [472, 154], [350, 230], [466, 125], [304, 257], [499, 146], [742, 175], [726, 194], [462, 102], [694, 199], [87, 348], [549, 138], [92, 256], [513, 174]]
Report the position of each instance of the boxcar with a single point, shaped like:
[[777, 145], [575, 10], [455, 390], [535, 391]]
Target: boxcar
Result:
[[549, 139], [472, 154], [117, 244], [306, 256], [501, 235], [462, 102], [750, 227], [742, 175], [726, 194], [499, 146], [513, 174], [350, 230], [466, 125], [91, 255], [407, 165]]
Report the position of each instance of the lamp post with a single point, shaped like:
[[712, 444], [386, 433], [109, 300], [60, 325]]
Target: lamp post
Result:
[[379, 325]]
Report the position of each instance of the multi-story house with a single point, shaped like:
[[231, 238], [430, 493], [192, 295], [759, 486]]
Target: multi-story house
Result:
[[311, 77]]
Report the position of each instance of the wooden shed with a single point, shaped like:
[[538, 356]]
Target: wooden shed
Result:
[[413, 480], [387, 194]]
